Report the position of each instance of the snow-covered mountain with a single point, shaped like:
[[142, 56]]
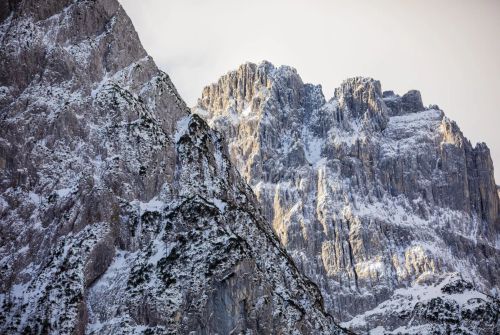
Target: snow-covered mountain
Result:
[[381, 201], [120, 212]]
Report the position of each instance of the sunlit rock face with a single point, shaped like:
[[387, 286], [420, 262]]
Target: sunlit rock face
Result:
[[370, 192], [120, 212]]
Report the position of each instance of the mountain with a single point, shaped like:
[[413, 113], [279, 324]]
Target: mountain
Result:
[[381, 201], [120, 212]]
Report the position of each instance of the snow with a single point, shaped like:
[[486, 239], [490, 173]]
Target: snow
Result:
[[18, 290], [64, 192], [111, 282], [234, 117], [377, 331], [154, 205], [247, 111], [410, 132], [313, 149], [34, 198], [99, 86], [161, 251], [221, 205], [417, 119], [181, 127], [339, 136]]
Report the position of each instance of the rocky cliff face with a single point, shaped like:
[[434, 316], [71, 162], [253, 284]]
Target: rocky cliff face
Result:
[[371, 193], [119, 211]]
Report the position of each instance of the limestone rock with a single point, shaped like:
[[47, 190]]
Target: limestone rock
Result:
[[369, 192], [412, 101]]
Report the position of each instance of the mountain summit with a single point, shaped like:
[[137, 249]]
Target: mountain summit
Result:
[[120, 212], [381, 201]]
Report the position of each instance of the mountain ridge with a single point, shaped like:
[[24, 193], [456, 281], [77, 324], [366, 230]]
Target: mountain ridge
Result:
[[119, 210], [369, 191]]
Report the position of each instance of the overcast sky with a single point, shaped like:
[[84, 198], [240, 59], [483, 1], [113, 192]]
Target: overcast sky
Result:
[[447, 49]]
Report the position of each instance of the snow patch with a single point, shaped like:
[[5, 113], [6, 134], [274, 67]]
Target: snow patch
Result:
[[313, 149], [181, 127], [100, 85], [221, 205], [247, 111], [154, 205], [64, 192]]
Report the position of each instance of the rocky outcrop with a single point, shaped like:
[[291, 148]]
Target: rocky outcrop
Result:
[[369, 191], [450, 306], [411, 102], [119, 211]]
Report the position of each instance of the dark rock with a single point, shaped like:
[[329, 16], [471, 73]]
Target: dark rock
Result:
[[412, 102]]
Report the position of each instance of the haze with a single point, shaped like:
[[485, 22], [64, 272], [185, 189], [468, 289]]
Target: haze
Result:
[[449, 50]]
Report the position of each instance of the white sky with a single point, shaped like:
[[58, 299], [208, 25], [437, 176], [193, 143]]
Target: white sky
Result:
[[447, 49]]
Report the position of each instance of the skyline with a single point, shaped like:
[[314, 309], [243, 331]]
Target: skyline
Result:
[[447, 50]]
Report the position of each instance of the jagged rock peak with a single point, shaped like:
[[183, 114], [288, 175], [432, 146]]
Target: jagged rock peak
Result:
[[362, 98], [357, 85], [250, 85], [410, 102], [359, 99]]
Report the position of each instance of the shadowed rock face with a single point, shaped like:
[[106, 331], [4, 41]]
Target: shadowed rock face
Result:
[[369, 192], [119, 211]]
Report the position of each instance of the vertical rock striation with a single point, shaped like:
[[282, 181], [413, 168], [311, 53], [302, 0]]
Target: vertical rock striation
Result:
[[370, 192], [119, 210]]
